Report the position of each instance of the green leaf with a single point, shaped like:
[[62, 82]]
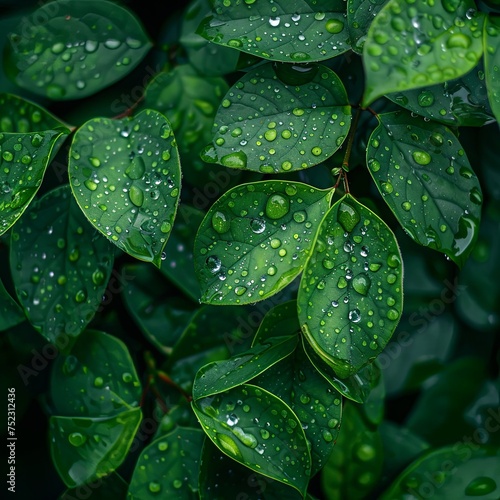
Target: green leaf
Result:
[[281, 120], [256, 239], [60, 266], [10, 312], [262, 433], [459, 102], [360, 15], [97, 378], [69, 50], [426, 179], [351, 295], [125, 175], [169, 467], [111, 486], [412, 46], [458, 471], [282, 31], [492, 61], [220, 477], [84, 449], [29, 139], [221, 376], [280, 320]]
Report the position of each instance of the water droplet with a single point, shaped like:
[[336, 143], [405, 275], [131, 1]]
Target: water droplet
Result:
[[300, 216], [274, 21], [334, 26], [80, 296], [275, 243], [154, 487], [458, 41], [177, 484], [90, 184], [240, 290], [235, 160], [277, 206], [77, 439], [355, 316], [480, 486], [213, 264], [421, 157], [348, 216], [136, 168], [365, 452], [220, 222], [112, 43], [361, 283], [70, 365], [258, 226]]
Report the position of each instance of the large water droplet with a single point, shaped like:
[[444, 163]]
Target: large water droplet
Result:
[[277, 206], [77, 439], [258, 225], [480, 486], [213, 264], [348, 216], [355, 316], [361, 283], [220, 222]]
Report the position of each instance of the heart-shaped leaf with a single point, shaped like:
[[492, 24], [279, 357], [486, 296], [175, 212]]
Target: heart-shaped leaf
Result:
[[60, 266], [360, 15], [351, 296], [169, 466], [300, 124], [492, 61], [10, 312], [308, 30], [258, 430], [29, 139], [125, 175], [69, 50], [256, 239], [413, 46], [424, 176], [84, 449]]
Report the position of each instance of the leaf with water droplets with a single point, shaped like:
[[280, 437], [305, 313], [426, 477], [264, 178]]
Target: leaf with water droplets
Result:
[[69, 50], [10, 312], [286, 31], [492, 62], [476, 475], [255, 240], [300, 123], [60, 266], [169, 466], [84, 449], [351, 295], [103, 488], [29, 139], [96, 378], [125, 175], [258, 430], [413, 46], [459, 102], [426, 179], [360, 15]]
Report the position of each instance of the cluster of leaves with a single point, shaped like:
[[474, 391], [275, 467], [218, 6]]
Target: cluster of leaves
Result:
[[286, 384]]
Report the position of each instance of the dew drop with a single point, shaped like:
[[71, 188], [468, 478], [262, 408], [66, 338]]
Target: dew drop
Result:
[[480, 486], [355, 316], [213, 264], [277, 206], [77, 439], [220, 222], [348, 216], [361, 283], [421, 157], [258, 226]]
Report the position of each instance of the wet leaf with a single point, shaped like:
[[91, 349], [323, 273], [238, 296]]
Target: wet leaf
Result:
[[60, 266], [262, 433], [110, 486], [255, 240], [96, 378], [69, 50], [458, 471], [301, 123], [426, 179], [10, 312], [360, 15], [410, 46], [169, 467], [492, 61], [459, 102], [351, 296], [84, 449], [281, 31], [125, 175], [280, 320]]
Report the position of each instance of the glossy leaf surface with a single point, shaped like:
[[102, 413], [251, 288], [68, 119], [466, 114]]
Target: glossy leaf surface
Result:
[[255, 240], [351, 297], [300, 124], [125, 175], [297, 31], [411, 46], [360, 15], [492, 62], [60, 265], [425, 177], [69, 50], [10, 312]]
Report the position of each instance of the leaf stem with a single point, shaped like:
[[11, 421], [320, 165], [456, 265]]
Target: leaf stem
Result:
[[350, 139], [166, 378]]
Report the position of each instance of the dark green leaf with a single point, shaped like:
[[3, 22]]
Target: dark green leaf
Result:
[[110, 486], [221, 376], [460, 102], [300, 123], [351, 294], [69, 50], [258, 430], [374, 405], [458, 471], [282, 31], [84, 449], [60, 265], [97, 378], [10, 312], [492, 61], [426, 179], [125, 175], [355, 464], [256, 239], [360, 15], [169, 467], [412, 46]]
